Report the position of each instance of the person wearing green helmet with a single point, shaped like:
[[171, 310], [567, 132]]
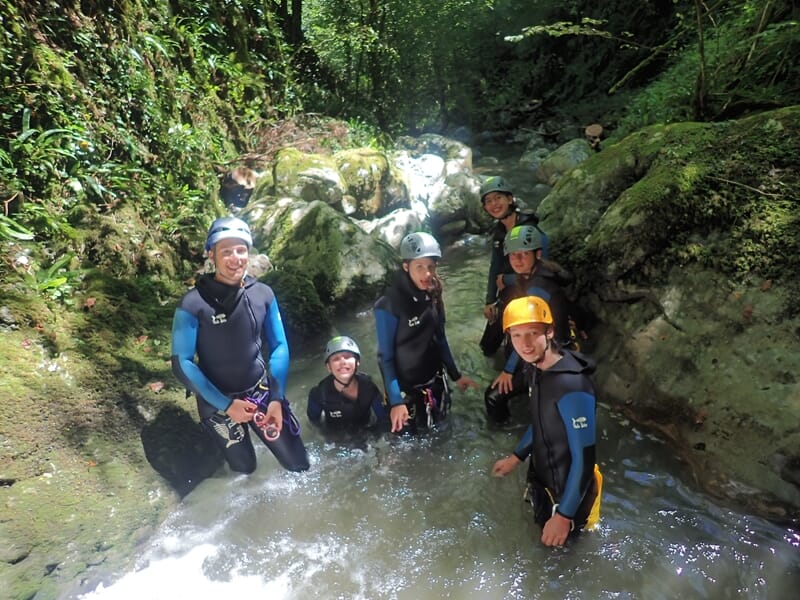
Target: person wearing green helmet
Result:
[[533, 276], [497, 200], [347, 399], [222, 330], [564, 484], [413, 351]]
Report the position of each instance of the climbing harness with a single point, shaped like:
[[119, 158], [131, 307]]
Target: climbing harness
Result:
[[260, 396]]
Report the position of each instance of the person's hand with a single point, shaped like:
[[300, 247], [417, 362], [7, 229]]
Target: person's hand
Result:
[[504, 466], [274, 414], [241, 411], [399, 417], [503, 382], [490, 312], [464, 382], [556, 530]]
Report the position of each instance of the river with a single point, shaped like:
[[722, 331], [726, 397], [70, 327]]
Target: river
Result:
[[382, 517]]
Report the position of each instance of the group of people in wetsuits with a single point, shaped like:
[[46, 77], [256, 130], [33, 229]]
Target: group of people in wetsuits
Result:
[[225, 326]]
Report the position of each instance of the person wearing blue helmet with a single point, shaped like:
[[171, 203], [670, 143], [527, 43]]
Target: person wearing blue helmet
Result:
[[222, 330], [347, 399], [413, 351]]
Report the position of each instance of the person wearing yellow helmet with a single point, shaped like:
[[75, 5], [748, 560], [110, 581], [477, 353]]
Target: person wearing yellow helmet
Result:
[[347, 399], [563, 481], [498, 201]]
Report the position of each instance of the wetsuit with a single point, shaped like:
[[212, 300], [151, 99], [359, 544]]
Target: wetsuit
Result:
[[493, 332], [337, 411], [546, 284], [561, 439], [413, 351], [229, 328]]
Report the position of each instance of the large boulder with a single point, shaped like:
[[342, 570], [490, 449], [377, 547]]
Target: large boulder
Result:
[[552, 167], [686, 253], [374, 185], [344, 263], [308, 177]]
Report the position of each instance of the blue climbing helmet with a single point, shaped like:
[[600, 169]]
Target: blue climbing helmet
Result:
[[228, 227], [341, 343], [419, 245], [522, 238]]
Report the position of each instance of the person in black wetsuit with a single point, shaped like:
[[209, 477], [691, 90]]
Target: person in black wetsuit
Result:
[[229, 322], [564, 483], [498, 202], [413, 351], [346, 399], [533, 276]]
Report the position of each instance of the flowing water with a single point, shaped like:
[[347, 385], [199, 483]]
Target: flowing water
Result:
[[384, 517], [379, 517]]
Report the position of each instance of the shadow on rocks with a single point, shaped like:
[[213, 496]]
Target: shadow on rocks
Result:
[[179, 450]]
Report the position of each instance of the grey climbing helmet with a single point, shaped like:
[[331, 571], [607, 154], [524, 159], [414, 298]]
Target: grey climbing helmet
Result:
[[419, 245], [522, 238], [228, 227], [341, 343], [494, 184]]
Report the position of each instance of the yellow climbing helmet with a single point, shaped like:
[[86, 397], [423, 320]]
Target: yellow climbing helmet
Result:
[[530, 309]]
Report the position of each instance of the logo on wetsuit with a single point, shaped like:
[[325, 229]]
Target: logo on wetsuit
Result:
[[413, 322], [579, 423], [219, 319]]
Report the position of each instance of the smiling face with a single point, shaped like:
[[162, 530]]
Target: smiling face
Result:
[[422, 271], [531, 340], [522, 261], [230, 257], [342, 365], [497, 204]]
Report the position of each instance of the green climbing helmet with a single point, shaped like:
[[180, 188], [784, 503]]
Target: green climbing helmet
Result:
[[419, 245], [341, 343], [228, 227], [522, 238], [494, 184]]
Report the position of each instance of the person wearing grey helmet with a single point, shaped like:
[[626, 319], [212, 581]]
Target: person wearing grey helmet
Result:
[[222, 330], [347, 399], [413, 352], [498, 201]]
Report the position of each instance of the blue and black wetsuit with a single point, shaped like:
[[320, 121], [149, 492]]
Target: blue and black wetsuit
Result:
[[493, 333], [545, 283], [328, 405], [561, 439], [229, 329], [413, 350]]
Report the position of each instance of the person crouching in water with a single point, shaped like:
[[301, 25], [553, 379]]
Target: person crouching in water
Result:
[[533, 276], [347, 399], [564, 482], [413, 351], [224, 321]]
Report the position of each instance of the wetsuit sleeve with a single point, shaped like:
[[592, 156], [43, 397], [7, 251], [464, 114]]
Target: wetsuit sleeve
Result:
[[314, 407], [494, 271], [386, 328], [184, 345], [279, 347], [525, 445], [512, 362], [378, 407], [577, 410]]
